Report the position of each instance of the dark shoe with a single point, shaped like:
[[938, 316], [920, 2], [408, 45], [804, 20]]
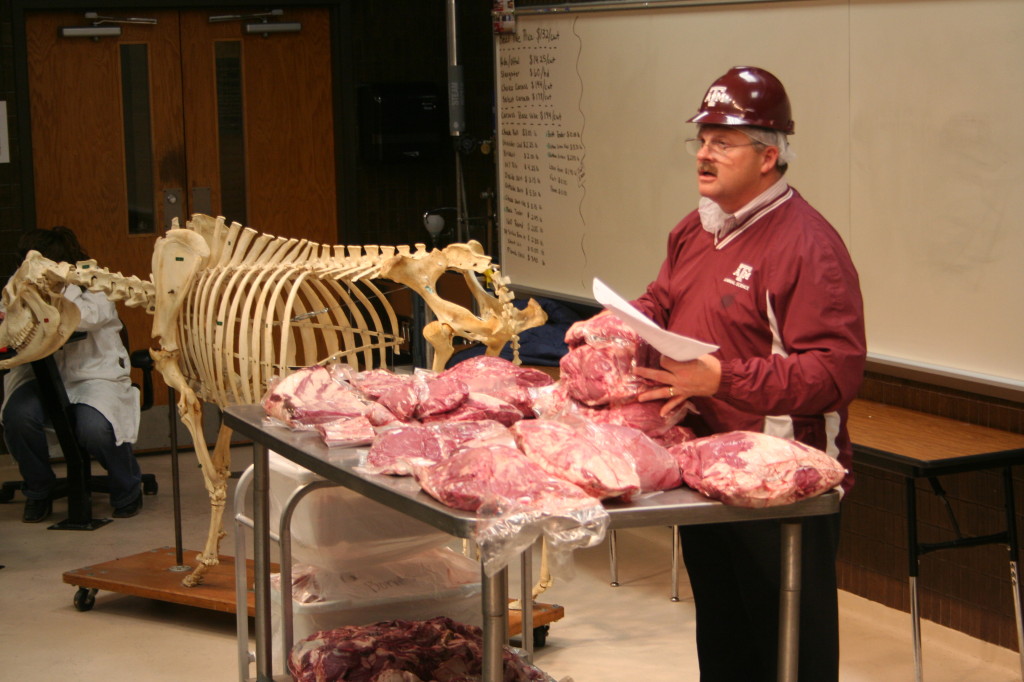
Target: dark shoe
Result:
[[37, 510], [129, 510]]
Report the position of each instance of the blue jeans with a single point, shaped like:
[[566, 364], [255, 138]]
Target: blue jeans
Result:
[[24, 421]]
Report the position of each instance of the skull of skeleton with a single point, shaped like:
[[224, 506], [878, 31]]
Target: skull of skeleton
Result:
[[38, 319]]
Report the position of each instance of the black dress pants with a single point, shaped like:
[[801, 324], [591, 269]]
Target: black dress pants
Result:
[[735, 573]]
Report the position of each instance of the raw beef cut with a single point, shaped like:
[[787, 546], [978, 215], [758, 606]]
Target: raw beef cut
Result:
[[499, 378], [374, 382], [655, 466], [439, 393], [601, 328], [397, 451], [347, 432], [500, 477], [603, 352], [750, 469], [400, 397], [478, 406], [564, 452], [554, 403], [434, 650], [602, 375], [312, 395]]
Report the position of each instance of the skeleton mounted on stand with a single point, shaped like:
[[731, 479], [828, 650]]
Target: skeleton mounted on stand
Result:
[[233, 308]]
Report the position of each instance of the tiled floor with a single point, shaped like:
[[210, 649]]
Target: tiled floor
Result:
[[630, 632]]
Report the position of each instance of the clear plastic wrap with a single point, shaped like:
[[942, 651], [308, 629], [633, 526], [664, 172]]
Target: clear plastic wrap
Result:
[[437, 582], [517, 501]]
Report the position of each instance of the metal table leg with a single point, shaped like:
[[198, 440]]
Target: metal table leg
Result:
[[495, 625], [912, 571], [613, 559], [261, 562], [1014, 548], [677, 551], [789, 600]]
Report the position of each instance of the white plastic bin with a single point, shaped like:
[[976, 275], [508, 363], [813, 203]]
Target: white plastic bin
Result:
[[338, 529]]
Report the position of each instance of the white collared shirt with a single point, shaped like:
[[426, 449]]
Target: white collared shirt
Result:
[[720, 224]]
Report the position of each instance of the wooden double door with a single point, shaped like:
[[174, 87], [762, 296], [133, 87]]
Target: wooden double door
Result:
[[180, 114]]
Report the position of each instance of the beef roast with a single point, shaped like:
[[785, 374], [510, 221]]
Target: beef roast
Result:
[[655, 466], [399, 450], [566, 453], [499, 378], [750, 469], [500, 477], [310, 396]]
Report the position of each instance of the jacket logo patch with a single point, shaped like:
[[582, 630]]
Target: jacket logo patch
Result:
[[740, 275]]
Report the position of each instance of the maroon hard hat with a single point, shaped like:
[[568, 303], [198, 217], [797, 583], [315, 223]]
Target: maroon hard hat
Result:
[[746, 96]]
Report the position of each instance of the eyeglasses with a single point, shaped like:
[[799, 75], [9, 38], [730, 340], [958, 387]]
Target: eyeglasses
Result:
[[717, 148]]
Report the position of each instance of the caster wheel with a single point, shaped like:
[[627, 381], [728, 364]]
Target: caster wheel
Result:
[[540, 636], [85, 598]]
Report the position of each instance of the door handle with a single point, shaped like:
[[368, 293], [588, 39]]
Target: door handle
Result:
[[174, 207]]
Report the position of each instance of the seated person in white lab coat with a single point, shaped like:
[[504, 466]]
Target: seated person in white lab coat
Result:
[[96, 376]]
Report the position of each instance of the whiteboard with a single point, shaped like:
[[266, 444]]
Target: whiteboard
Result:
[[907, 139]]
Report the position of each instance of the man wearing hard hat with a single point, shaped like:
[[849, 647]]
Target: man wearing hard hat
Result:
[[759, 272]]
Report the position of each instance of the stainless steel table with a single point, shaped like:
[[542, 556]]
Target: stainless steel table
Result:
[[675, 507]]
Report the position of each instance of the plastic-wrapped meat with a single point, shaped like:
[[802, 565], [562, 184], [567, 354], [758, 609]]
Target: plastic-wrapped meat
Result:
[[399, 450], [655, 465], [396, 450], [310, 396], [564, 452], [601, 375], [500, 477], [644, 417], [598, 369], [400, 397], [438, 393], [438, 649], [374, 382], [600, 328], [750, 469], [478, 406], [347, 432], [499, 378]]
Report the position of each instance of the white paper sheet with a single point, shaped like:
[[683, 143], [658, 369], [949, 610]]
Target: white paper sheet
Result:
[[673, 345]]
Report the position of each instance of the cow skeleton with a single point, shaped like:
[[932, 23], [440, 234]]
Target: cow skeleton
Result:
[[233, 308]]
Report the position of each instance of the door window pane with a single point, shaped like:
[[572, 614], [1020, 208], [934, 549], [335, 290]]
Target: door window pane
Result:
[[231, 130], [138, 143]]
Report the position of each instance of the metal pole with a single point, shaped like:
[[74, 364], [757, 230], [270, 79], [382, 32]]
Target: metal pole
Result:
[[261, 562], [1014, 549], [913, 565], [456, 112], [789, 601], [495, 625], [172, 419]]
